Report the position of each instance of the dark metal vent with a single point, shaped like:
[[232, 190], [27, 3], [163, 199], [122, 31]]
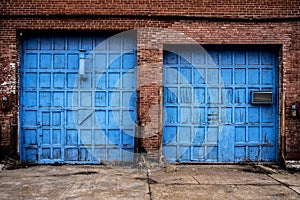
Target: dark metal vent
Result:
[[258, 97]]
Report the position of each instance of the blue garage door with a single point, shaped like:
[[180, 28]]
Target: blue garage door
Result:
[[208, 114], [78, 99]]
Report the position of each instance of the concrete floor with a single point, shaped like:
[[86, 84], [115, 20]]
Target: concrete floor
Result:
[[174, 182]]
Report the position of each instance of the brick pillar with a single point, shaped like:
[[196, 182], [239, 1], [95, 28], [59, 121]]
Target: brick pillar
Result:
[[149, 98]]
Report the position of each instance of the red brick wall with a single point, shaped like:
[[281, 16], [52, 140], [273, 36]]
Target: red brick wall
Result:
[[291, 84], [213, 28], [203, 8]]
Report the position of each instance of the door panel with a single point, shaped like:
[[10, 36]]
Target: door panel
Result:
[[66, 117], [207, 109]]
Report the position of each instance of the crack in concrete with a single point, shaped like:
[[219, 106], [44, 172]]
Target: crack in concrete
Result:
[[218, 184], [196, 180], [284, 184], [149, 184], [77, 173]]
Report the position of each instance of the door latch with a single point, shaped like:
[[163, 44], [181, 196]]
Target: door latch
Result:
[[82, 65]]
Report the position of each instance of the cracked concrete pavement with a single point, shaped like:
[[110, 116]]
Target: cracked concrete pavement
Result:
[[177, 182]]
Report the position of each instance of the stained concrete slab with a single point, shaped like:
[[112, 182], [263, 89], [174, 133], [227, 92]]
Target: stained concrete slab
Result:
[[217, 174], [73, 182], [196, 192], [115, 182], [220, 182]]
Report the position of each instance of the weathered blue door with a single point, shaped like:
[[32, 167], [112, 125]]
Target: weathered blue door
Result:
[[78, 99], [208, 112]]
